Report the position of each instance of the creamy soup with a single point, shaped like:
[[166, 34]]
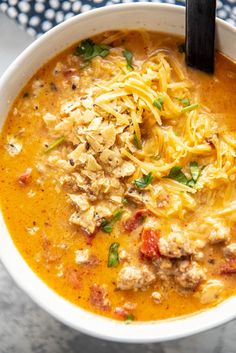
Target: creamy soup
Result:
[[118, 175]]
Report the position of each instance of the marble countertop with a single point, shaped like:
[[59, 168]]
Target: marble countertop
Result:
[[25, 328]]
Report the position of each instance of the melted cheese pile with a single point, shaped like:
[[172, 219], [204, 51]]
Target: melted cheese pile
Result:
[[99, 160]]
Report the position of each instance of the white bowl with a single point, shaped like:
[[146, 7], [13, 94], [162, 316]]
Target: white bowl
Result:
[[155, 17]]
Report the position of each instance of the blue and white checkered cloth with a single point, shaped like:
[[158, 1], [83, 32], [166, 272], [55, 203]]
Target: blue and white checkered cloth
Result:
[[38, 16]]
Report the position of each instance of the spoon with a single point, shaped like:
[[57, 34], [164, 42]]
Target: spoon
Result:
[[200, 34]]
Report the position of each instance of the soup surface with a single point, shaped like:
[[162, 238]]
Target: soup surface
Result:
[[118, 175]]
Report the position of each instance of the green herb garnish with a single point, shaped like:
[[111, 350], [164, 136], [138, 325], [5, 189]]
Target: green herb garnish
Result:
[[113, 256], [158, 103], [177, 174], [137, 142], [191, 183], [129, 58], [181, 48], [189, 108], [54, 144], [129, 318], [184, 101], [26, 95], [107, 225], [194, 170], [144, 181], [125, 201], [89, 50], [117, 215]]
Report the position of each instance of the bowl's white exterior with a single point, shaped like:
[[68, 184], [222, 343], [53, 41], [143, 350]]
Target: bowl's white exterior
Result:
[[156, 17]]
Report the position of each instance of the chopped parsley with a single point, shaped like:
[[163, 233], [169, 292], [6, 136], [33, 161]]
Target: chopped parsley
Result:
[[158, 103], [137, 142], [188, 108], [113, 256], [144, 181], [125, 201], [54, 144], [107, 225], [177, 174], [194, 170], [129, 59], [129, 318], [117, 215], [184, 101], [89, 50]]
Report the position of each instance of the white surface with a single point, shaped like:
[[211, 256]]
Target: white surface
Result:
[[230, 349], [12, 41]]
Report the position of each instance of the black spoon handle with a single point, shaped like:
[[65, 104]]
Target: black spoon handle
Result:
[[200, 34]]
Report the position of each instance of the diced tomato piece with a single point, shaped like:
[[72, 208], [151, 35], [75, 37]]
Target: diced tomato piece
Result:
[[229, 268], [50, 253], [134, 221], [89, 240], [149, 243], [25, 178], [73, 278], [93, 261], [99, 298]]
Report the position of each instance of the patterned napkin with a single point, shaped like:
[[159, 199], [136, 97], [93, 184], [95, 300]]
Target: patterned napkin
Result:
[[38, 16]]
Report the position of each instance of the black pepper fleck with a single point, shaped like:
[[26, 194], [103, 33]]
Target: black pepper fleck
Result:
[[53, 87]]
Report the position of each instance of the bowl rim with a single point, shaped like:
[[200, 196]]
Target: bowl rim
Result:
[[90, 323]]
